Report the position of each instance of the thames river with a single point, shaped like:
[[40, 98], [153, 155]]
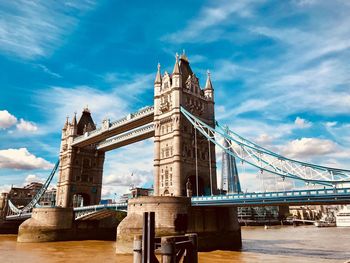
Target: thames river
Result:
[[277, 244]]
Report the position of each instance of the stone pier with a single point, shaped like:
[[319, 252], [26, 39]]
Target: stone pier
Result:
[[57, 224], [217, 227]]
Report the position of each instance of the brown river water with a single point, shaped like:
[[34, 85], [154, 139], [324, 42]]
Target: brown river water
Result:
[[277, 244]]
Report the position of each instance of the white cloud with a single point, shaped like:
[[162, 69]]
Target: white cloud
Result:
[[5, 188], [6, 119], [302, 123], [264, 139], [306, 147], [331, 123], [32, 178], [122, 162], [22, 159], [30, 29], [26, 126]]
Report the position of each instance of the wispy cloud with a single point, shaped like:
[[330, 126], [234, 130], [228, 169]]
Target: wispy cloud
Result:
[[48, 71], [203, 28], [102, 104], [30, 29]]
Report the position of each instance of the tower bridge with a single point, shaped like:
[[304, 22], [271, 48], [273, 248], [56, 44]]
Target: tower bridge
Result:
[[186, 198]]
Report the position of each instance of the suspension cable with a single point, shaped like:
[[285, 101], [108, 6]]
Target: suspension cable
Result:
[[291, 169], [195, 152], [210, 173]]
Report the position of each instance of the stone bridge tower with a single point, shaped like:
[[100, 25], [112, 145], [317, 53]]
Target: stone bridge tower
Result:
[[80, 170], [174, 141]]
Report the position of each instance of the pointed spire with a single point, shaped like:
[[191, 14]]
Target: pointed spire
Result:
[[66, 124], [86, 109], [176, 70], [208, 85], [158, 79], [183, 56], [74, 121]]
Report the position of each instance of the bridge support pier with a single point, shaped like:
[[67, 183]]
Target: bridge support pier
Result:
[[216, 227], [58, 224], [46, 224]]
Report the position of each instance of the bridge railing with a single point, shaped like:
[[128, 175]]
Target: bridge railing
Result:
[[309, 192]]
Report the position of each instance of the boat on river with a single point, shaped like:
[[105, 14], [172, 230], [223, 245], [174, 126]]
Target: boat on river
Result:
[[327, 220], [343, 216]]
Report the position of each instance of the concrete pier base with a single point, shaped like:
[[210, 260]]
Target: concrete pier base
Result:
[[217, 228], [46, 224], [57, 224]]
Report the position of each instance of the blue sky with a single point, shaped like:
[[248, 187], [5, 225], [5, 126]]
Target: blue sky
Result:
[[280, 71]]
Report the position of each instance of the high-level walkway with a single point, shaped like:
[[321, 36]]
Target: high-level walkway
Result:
[[131, 121]]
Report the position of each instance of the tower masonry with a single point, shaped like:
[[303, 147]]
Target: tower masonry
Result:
[[183, 160], [178, 148], [80, 170]]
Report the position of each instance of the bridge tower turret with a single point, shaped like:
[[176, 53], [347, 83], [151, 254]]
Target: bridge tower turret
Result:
[[80, 170], [175, 145]]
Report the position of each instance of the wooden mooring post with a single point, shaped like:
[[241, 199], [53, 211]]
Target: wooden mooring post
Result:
[[172, 249]]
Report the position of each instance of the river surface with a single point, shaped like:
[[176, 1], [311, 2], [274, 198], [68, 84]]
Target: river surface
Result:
[[277, 244]]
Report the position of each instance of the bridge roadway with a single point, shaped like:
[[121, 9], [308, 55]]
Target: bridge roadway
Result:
[[109, 129], [297, 197]]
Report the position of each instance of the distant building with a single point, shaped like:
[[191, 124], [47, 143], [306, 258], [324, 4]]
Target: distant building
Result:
[[21, 196], [34, 186], [106, 201], [136, 192], [230, 183], [3, 200], [262, 215]]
